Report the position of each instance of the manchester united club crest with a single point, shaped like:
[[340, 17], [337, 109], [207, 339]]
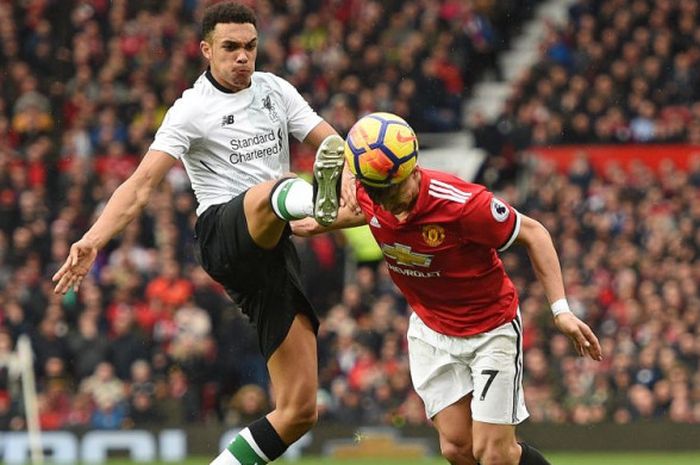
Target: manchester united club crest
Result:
[[433, 235]]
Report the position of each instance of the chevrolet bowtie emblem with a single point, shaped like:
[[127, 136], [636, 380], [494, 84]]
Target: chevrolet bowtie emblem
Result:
[[403, 255]]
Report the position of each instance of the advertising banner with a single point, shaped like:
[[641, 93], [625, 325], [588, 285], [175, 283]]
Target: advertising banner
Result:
[[651, 155]]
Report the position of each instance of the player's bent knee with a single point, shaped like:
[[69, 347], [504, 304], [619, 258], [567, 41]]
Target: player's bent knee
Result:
[[264, 226], [456, 453]]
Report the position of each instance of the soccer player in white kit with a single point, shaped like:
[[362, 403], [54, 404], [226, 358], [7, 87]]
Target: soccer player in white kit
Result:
[[230, 130], [440, 236]]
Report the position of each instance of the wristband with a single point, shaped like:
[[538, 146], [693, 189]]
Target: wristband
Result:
[[559, 307]]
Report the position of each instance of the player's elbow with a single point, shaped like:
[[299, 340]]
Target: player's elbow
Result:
[[533, 234]]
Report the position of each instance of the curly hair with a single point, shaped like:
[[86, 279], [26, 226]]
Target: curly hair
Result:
[[226, 12]]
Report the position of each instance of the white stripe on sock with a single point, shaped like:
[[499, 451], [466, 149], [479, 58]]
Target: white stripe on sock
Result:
[[245, 434]]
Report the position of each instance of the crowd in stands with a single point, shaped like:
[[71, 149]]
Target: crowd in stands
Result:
[[618, 72], [151, 339]]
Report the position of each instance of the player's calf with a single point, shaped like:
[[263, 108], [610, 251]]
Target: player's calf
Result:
[[328, 168]]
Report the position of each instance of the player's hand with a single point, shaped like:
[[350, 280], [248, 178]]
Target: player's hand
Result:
[[70, 275], [305, 227], [585, 342], [347, 192]]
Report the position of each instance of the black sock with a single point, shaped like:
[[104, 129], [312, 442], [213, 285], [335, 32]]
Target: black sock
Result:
[[267, 439], [531, 456], [258, 444]]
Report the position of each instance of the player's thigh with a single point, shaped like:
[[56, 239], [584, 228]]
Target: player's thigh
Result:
[[293, 366], [454, 425], [497, 368], [439, 377], [264, 226]]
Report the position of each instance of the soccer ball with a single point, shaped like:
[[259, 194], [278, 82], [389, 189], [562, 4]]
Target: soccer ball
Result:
[[381, 149]]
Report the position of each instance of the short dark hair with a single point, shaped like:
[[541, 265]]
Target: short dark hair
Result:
[[226, 12]]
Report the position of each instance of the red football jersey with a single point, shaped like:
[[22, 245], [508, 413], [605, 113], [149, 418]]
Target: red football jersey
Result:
[[443, 256]]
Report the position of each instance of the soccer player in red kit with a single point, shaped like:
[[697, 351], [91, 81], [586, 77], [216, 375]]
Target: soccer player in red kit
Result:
[[440, 237]]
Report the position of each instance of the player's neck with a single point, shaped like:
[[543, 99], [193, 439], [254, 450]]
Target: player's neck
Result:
[[403, 216], [222, 84]]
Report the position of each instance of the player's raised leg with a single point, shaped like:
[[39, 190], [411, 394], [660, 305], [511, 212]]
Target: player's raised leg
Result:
[[269, 205], [265, 225], [454, 425]]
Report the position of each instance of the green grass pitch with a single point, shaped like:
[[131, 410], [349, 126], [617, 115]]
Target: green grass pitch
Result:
[[578, 458]]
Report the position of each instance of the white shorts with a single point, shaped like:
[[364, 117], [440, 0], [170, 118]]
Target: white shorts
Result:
[[445, 368]]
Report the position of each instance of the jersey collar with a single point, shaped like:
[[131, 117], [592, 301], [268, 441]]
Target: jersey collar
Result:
[[221, 88]]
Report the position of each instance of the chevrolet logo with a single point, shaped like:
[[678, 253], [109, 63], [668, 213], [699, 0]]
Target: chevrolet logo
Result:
[[403, 255]]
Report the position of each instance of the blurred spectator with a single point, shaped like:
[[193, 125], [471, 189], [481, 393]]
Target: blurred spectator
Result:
[[8, 415], [169, 287], [104, 388], [142, 410], [126, 344], [109, 416], [247, 404], [86, 345]]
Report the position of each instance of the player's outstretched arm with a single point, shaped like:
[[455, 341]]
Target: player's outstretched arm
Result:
[[125, 204], [545, 262], [347, 218]]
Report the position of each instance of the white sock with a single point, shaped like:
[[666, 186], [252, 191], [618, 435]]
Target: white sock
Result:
[[292, 199], [225, 458]]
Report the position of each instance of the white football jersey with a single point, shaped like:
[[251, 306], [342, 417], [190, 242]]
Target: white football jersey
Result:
[[230, 141]]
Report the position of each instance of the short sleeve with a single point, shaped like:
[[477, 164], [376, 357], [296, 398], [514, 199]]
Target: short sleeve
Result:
[[490, 221], [301, 118], [178, 130]]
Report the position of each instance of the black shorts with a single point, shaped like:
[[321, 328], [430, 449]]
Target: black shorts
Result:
[[265, 283]]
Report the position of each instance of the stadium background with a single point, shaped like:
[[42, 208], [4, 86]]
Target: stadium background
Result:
[[598, 137]]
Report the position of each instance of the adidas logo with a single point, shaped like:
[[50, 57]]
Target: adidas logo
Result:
[[375, 222]]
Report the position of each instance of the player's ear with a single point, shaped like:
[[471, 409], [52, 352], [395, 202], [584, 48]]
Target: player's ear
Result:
[[205, 47]]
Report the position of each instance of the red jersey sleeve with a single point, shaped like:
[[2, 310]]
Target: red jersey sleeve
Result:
[[489, 221]]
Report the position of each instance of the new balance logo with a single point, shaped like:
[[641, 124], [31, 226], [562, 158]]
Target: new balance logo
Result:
[[375, 222], [227, 120]]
